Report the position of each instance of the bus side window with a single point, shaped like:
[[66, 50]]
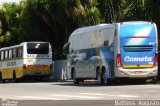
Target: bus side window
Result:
[[10, 54], [20, 52], [2, 55], [6, 54], [14, 53]]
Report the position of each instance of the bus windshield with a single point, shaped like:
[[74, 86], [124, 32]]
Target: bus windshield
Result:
[[37, 48], [137, 31]]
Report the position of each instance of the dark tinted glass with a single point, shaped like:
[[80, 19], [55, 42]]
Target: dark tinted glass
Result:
[[37, 48]]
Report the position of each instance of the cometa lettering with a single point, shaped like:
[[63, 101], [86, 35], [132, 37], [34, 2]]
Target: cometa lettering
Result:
[[137, 59]]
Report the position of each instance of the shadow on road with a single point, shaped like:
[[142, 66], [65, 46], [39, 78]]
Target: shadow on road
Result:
[[87, 83], [95, 84]]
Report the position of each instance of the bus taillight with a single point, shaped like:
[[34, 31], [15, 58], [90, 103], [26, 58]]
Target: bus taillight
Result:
[[155, 60], [119, 64]]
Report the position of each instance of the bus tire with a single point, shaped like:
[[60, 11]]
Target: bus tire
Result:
[[14, 77], [99, 77], [104, 78], [75, 80], [105, 81], [1, 79]]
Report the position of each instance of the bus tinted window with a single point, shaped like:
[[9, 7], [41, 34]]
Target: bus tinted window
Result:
[[20, 50], [37, 48], [2, 55], [14, 53], [6, 54], [10, 54]]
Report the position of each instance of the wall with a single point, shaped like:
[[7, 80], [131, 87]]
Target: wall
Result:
[[61, 70]]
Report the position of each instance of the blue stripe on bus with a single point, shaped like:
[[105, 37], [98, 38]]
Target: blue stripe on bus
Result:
[[82, 58]]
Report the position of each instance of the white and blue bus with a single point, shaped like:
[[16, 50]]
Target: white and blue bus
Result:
[[114, 51]]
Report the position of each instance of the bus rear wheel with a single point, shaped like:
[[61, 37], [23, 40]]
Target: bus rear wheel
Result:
[[75, 80], [99, 78], [14, 77], [105, 80], [102, 78], [1, 79]]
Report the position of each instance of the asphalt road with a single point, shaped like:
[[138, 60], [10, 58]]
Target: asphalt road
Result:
[[84, 94]]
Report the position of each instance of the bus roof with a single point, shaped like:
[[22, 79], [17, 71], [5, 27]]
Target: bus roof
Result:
[[92, 28], [136, 22], [21, 44], [101, 26]]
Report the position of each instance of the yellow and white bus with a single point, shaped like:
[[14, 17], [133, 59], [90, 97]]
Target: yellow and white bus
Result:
[[26, 59]]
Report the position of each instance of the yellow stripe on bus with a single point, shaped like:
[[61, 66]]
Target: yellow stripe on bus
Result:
[[94, 41], [138, 66], [7, 73]]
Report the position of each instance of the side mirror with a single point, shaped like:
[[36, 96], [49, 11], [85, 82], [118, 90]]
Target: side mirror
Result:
[[65, 49], [106, 42]]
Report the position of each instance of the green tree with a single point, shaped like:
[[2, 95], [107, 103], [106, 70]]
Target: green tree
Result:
[[134, 10], [153, 9], [54, 20], [111, 10], [9, 21]]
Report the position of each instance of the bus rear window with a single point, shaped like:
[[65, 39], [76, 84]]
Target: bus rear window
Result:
[[37, 48]]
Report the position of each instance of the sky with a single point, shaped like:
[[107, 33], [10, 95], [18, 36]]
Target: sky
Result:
[[9, 1]]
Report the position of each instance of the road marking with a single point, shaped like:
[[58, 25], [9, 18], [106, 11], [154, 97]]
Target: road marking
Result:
[[116, 95], [37, 98], [75, 96]]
